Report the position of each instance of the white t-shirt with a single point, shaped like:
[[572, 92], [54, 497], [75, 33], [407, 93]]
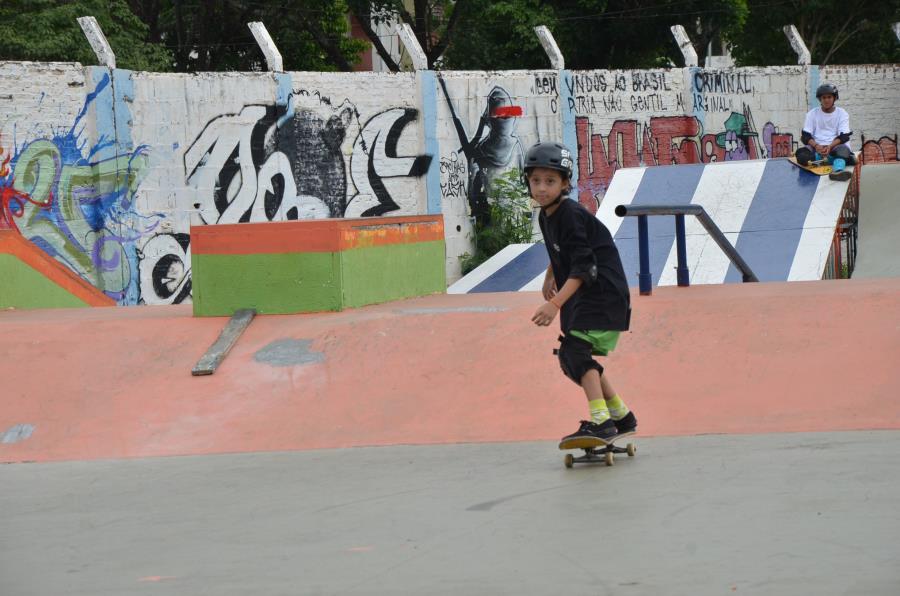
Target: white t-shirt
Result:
[[827, 127]]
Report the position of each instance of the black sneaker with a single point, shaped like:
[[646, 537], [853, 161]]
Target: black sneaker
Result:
[[841, 176], [628, 424], [589, 434]]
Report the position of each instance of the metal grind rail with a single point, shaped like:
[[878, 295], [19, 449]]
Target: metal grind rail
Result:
[[642, 212]]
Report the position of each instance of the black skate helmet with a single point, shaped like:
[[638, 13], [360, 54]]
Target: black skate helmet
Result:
[[549, 155], [827, 89]]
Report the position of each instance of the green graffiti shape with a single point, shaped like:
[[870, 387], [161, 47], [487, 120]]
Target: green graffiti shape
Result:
[[40, 173]]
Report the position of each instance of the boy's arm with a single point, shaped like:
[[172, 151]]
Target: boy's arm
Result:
[[545, 314], [569, 288], [808, 134], [549, 288], [844, 131], [809, 127]]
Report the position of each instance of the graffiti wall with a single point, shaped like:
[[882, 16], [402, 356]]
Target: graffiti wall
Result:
[[485, 125], [245, 148], [106, 171], [665, 117]]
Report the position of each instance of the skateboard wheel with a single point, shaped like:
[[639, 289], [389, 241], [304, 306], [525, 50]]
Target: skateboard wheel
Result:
[[569, 460], [610, 460], [630, 449]]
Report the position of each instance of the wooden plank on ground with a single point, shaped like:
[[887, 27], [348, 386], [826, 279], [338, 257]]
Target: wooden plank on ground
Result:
[[216, 353]]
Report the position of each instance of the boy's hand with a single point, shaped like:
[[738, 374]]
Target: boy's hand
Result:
[[544, 315], [549, 289]]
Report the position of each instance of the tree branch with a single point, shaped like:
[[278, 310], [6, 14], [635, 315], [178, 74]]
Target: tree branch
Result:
[[837, 43], [442, 43], [383, 53]]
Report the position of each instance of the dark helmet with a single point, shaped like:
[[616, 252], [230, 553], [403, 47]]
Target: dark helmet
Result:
[[827, 89], [549, 155]]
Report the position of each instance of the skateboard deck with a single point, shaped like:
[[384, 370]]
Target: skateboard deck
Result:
[[819, 168], [597, 450]]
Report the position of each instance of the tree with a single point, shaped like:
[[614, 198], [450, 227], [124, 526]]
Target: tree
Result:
[[181, 35], [47, 30], [212, 35], [434, 23], [590, 33], [500, 35], [835, 32]]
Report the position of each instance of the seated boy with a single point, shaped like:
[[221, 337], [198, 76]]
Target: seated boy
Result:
[[826, 134]]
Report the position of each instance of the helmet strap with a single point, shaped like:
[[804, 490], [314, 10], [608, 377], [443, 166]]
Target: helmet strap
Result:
[[554, 203]]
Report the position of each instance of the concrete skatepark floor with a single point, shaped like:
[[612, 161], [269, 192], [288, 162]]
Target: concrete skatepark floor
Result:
[[793, 513]]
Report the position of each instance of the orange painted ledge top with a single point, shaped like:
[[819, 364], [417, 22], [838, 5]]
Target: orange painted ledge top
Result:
[[314, 235]]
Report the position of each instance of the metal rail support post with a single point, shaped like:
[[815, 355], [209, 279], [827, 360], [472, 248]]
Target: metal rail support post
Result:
[[682, 272], [645, 278]]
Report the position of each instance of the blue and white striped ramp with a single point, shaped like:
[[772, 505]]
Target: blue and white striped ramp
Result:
[[780, 218]]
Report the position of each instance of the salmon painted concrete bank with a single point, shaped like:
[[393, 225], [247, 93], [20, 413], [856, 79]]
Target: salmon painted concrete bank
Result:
[[752, 358]]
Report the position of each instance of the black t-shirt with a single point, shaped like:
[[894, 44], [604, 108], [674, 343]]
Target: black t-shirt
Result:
[[580, 246]]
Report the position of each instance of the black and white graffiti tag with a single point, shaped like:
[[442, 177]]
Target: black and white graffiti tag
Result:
[[239, 174], [165, 269], [376, 157], [275, 163]]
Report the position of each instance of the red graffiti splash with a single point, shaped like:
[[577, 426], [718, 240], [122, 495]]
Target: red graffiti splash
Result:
[[12, 205], [507, 112]]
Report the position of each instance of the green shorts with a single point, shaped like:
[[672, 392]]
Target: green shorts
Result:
[[602, 342]]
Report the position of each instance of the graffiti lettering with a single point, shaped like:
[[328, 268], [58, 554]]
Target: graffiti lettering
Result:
[[288, 164], [581, 84], [453, 177], [589, 104], [667, 140], [648, 103], [722, 82], [375, 157], [649, 81], [165, 269], [712, 103], [546, 85], [239, 176]]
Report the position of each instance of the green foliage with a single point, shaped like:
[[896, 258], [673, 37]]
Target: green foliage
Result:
[[212, 35], [835, 32], [590, 33], [182, 35], [47, 30], [432, 22], [510, 220], [499, 35]]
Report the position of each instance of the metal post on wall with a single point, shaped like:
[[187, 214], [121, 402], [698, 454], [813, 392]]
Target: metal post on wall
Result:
[[99, 44], [803, 56], [645, 278]]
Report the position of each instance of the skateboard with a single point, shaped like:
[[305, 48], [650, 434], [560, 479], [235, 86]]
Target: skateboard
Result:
[[597, 450], [820, 167]]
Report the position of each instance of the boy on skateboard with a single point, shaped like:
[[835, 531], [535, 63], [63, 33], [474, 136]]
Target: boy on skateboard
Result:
[[585, 284], [826, 134]]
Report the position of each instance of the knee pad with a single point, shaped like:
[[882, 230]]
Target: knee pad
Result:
[[575, 358], [804, 156]]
